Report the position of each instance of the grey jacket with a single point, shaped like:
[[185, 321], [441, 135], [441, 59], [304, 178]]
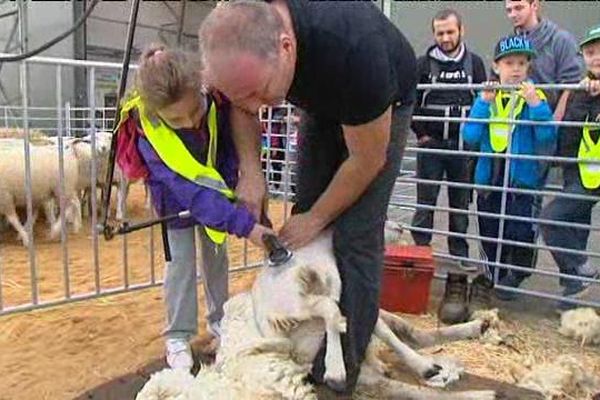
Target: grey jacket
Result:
[[557, 59]]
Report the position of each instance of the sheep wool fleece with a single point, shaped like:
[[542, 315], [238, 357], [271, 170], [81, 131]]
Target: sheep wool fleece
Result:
[[180, 287]]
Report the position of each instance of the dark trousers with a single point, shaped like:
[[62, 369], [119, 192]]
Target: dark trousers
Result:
[[569, 210], [456, 169], [523, 205], [357, 232]]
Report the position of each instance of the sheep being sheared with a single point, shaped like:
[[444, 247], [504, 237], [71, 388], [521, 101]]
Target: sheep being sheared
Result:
[[272, 335]]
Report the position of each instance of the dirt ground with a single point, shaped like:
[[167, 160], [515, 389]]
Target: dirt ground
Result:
[[58, 353]]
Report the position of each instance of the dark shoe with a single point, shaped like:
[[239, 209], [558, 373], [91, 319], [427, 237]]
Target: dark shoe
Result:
[[512, 281], [480, 295], [454, 308], [574, 290]]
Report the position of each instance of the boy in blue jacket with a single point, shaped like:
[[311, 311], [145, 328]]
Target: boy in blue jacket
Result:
[[512, 58]]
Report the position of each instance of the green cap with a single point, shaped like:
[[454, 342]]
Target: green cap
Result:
[[591, 36]]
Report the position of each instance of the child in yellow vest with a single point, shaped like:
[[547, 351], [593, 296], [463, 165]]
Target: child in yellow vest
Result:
[[179, 140], [512, 60], [579, 178]]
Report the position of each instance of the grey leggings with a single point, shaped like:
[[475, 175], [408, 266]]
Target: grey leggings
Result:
[[181, 296]]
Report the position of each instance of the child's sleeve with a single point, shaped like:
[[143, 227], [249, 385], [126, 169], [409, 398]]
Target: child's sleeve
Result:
[[544, 134], [208, 206], [473, 131]]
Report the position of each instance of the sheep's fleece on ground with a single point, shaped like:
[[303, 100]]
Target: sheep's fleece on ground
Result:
[[271, 336]]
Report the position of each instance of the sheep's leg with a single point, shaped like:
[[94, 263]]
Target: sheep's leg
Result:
[[122, 193], [13, 219], [50, 211], [431, 337], [388, 388], [147, 197], [335, 370], [425, 367]]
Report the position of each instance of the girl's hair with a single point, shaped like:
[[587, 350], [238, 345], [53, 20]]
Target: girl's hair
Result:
[[165, 75]]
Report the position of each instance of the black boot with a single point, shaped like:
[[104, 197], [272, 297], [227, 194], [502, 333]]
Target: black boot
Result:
[[480, 295], [454, 307]]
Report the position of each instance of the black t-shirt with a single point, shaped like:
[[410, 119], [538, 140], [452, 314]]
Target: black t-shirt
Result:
[[353, 63]]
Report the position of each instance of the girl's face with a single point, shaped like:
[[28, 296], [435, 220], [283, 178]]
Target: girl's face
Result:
[[512, 68], [591, 56], [184, 113]]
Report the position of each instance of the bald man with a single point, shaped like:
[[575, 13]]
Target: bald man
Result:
[[354, 75]]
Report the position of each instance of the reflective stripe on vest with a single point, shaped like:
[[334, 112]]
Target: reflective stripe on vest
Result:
[[589, 173], [500, 131], [177, 157]]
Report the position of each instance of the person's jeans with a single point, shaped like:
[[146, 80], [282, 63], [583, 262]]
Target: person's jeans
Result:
[[569, 210], [434, 167], [357, 232], [523, 205]]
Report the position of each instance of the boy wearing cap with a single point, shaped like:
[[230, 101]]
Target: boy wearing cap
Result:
[[512, 59], [579, 178]]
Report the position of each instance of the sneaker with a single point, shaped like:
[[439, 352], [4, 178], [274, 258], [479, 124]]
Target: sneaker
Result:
[[454, 307], [480, 295], [511, 281], [468, 266], [179, 354], [574, 290]]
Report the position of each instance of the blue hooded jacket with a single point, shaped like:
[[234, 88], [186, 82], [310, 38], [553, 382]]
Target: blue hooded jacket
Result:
[[526, 140]]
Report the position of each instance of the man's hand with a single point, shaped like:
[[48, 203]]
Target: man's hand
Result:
[[300, 229], [257, 233], [592, 86], [530, 95], [251, 191]]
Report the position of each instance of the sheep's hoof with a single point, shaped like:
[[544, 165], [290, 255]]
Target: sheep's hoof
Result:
[[485, 325], [431, 372], [336, 384]]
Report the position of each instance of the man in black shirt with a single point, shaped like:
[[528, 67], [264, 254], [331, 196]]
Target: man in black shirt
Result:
[[447, 61], [354, 75]]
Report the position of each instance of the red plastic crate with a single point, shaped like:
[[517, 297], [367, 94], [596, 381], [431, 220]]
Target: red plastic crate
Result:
[[407, 275]]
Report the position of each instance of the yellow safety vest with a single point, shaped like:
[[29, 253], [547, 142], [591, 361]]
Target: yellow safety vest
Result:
[[589, 173], [500, 131], [176, 156]]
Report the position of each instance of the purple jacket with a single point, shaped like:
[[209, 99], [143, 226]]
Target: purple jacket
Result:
[[172, 193]]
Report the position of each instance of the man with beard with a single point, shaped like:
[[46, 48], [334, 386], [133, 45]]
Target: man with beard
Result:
[[447, 61]]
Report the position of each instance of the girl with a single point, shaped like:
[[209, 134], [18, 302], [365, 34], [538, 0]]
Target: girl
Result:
[[178, 139]]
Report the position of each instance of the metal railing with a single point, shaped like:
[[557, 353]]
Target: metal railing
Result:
[[405, 202], [60, 120], [25, 271]]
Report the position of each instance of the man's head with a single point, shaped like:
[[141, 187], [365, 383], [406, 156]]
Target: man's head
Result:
[[523, 14], [512, 58], [590, 48], [168, 82], [447, 30], [248, 53]]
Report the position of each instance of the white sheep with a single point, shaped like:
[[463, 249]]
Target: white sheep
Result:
[[272, 335], [45, 184], [582, 324]]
